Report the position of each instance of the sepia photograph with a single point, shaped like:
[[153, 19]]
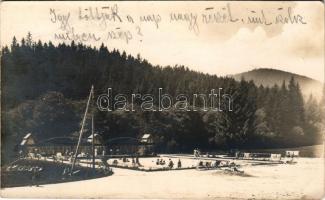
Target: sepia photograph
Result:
[[162, 100]]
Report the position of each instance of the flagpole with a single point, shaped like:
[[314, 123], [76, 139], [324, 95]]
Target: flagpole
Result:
[[92, 131], [81, 130]]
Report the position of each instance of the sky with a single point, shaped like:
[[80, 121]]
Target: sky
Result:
[[219, 47]]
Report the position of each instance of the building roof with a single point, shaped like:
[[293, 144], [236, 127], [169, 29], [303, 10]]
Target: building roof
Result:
[[23, 142], [146, 136], [25, 139], [146, 139], [97, 140], [91, 136], [27, 135]]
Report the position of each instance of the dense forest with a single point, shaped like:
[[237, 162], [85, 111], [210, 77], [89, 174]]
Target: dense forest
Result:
[[44, 91]]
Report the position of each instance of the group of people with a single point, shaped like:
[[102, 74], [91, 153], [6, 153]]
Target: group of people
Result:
[[135, 161], [210, 164], [170, 163], [160, 161], [230, 166]]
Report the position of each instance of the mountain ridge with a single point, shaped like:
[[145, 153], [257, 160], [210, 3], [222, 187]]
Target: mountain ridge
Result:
[[268, 77]]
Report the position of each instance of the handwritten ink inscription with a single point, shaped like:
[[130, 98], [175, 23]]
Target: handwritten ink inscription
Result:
[[111, 23]]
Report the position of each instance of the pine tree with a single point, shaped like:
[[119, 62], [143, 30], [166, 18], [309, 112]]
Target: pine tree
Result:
[[29, 39]]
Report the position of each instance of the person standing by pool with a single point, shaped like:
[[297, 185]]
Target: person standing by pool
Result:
[[171, 164], [179, 164]]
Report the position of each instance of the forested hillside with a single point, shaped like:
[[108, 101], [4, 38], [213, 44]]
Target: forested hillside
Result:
[[44, 91]]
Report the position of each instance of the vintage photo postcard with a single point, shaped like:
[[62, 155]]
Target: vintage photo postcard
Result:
[[162, 99]]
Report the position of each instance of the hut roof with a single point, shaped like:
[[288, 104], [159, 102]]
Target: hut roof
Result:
[[95, 135], [23, 142], [146, 136], [25, 139], [27, 135]]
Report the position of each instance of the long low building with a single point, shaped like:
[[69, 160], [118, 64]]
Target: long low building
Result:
[[62, 145], [67, 145]]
